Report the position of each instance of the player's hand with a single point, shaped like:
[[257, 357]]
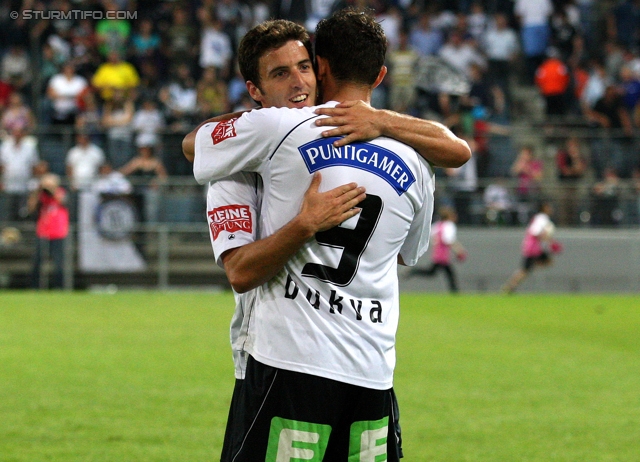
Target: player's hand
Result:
[[461, 256], [324, 210], [354, 120]]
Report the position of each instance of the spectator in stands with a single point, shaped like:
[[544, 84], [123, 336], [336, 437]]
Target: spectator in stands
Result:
[[623, 23], [391, 21], [85, 50], [5, 91], [571, 166], [112, 35], [605, 197], [17, 115], [215, 45], [580, 53], [16, 69], [443, 16], [182, 37], [614, 58], [462, 183], [611, 149], [562, 33], [149, 174], [553, 80], [111, 181], [484, 92], [423, 38], [117, 118], [179, 98], [148, 122], [145, 42], [500, 44], [41, 168], [461, 54], [533, 16], [211, 94], [236, 88], [89, 119], [50, 63], [115, 74], [151, 80], [478, 21], [83, 162], [64, 90], [61, 45], [579, 79], [52, 228], [595, 86], [529, 170], [18, 157], [402, 70], [293, 11], [630, 91], [632, 61], [499, 203]]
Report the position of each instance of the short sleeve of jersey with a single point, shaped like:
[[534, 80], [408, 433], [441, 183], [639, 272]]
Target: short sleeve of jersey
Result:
[[240, 144], [232, 205], [417, 240]]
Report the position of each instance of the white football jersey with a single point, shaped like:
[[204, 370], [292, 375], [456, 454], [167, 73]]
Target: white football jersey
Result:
[[232, 207], [333, 310]]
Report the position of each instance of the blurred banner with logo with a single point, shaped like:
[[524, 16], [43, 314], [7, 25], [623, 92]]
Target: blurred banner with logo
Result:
[[105, 225]]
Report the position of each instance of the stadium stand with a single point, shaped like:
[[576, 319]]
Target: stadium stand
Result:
[[155, 51]]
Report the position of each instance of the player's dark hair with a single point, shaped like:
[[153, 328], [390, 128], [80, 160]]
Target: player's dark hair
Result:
[[353, 44], [264, 37]]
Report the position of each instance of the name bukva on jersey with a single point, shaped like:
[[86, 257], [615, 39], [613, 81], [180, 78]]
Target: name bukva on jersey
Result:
[[335, 303]]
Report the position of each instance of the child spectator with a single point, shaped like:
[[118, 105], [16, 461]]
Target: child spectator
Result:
[[538, 246], [444, 237]]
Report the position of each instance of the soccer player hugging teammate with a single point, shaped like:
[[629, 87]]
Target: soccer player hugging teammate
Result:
[[324, 325]]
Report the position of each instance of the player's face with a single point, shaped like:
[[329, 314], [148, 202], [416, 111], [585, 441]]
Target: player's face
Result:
[[286, 78]]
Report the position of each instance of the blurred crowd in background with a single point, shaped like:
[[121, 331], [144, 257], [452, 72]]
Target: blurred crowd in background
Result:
[[546, 92]]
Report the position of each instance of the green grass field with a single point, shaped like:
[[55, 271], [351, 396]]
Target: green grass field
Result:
[[147, 376]]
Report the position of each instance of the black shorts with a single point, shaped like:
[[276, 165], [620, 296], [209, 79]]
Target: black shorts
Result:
[[308, 417], [529, 262]]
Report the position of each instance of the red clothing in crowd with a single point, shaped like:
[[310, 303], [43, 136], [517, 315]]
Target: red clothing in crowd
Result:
[[53, 218], [552, 77]]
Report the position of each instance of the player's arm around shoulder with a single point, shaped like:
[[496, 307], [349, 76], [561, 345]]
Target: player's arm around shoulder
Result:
[[189, 141], [238, 144], [357, 121]]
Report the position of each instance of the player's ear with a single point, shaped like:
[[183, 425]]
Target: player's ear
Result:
[[380, 78], [254, 91], [322, 68]]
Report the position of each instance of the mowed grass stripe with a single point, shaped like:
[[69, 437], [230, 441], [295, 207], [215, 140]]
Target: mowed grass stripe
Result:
[[147, 376]]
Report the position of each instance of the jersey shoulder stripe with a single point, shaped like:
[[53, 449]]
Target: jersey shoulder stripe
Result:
[[289, 133]]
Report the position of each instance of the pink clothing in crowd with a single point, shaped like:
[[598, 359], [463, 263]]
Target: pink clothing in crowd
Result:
[[53, 219]]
